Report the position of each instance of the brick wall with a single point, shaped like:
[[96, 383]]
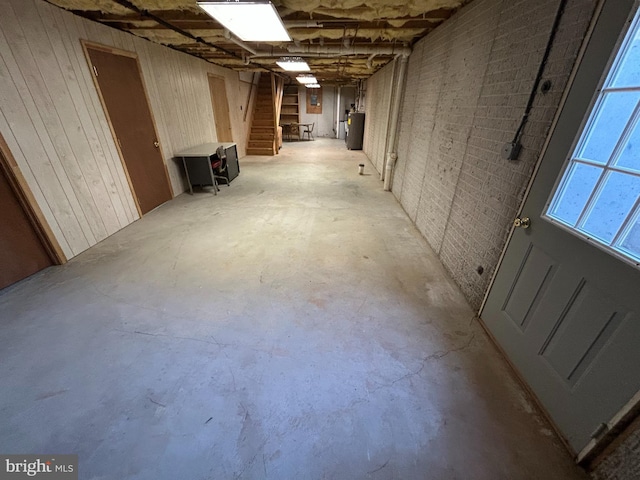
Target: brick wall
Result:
[[467, 87], [623, 463], [379, 89]]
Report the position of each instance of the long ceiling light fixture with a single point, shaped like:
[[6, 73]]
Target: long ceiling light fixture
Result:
[[313, 85], [251, 21], [293, 64], [306, 79]]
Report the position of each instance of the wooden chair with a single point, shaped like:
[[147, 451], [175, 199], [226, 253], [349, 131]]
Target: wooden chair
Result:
[[308, 131]]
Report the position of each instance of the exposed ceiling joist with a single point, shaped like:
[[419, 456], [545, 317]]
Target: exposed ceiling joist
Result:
[[327, 33]]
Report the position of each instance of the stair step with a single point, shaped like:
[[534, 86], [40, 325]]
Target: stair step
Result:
[[260, 140], [261, 136], [260, 151], [260, 143]]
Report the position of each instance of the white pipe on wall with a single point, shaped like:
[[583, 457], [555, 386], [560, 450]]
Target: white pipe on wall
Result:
[[391, 138], [388, 169], [392, 88], [338, 92]]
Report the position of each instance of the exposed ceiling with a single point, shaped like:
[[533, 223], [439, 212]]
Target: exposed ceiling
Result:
[[342, 40]]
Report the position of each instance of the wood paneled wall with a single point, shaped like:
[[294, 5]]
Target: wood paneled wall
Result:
[[54, 124]]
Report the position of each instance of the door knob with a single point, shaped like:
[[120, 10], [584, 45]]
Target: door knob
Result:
[[156, 144], [524, 222]]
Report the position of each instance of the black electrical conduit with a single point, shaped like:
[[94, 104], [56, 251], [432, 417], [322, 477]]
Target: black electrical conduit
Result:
[[536, 84]]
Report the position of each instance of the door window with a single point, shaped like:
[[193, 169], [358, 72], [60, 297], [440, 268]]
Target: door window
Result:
[[598, 195]]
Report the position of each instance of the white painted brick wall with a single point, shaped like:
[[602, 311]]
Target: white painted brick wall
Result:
[[467, 86], [624, 462], [377, 116]]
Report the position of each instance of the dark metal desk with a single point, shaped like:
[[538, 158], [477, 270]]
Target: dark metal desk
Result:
[[197, 164]]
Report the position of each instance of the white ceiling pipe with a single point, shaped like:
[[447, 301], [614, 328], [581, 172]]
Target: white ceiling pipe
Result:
[[337, 52], [278, 55], [370, 61], [313, 50], [230, 36], [303, 24]]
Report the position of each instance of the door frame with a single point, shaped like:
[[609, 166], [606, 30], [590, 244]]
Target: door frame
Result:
[[18, 184], [592, 453], [86, 45], [226, 98]]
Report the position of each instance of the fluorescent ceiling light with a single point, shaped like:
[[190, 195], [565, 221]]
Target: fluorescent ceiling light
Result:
[[251, 21], [293, 64], [305, 79], [313, 85]]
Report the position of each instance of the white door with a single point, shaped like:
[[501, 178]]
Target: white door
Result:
[[565, 303]]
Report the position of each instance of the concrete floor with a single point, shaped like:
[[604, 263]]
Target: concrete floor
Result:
[[295, 326]]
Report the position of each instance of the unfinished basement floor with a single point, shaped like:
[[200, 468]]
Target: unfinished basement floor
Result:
[[294, 326]]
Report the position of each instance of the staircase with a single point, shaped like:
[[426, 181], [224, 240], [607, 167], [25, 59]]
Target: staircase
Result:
[[262, 138]]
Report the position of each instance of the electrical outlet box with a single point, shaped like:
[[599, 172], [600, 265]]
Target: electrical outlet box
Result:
[[511, 151]]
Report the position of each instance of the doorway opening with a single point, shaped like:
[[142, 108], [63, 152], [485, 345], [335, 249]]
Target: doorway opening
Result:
[[28, 246]]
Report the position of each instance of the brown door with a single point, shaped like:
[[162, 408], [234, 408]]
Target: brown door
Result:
[[220, 108], [123, 95], [21, 250]]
